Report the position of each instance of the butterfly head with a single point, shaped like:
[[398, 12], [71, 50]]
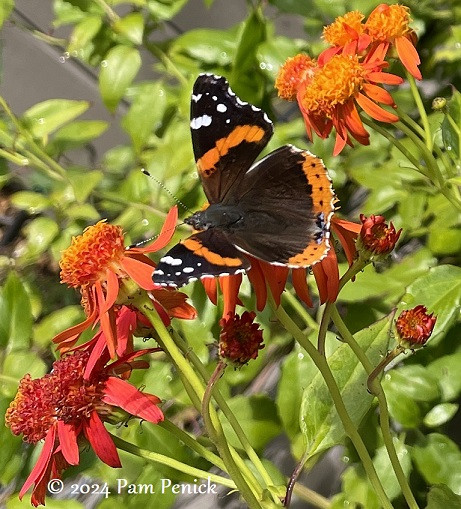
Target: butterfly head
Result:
[[216, 215]]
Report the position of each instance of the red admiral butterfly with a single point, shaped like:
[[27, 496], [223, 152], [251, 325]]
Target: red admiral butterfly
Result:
[[277, 210]]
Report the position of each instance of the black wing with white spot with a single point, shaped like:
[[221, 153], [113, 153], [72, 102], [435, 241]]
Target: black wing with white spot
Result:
[[205, 254], [227, 135]]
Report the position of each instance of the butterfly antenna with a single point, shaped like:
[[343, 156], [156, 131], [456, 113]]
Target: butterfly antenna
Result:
[[150, 239], [162, 185]]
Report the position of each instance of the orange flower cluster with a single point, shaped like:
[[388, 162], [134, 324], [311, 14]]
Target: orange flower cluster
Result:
[[349, 73]]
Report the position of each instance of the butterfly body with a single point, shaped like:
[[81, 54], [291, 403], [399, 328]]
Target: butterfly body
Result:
[[277, 210]]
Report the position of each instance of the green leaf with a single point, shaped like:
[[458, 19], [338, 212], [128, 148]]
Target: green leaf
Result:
[[440, 291], [441, 497], [56, 322], [273, 52], [45, 117], [118, 70], [145, 114], [415, 381], [440, 414], [402, 408], [131, 27], [19, 362], [258, 417], [84, 32], [451, 131], [438, 459], [165, 9], [320, 422], [15, 314], [446, 370], [252, 34], [75, 134], [83, 182], [6, 6], [30, 201], [444, 241], [297, 371], [40, 232], [357, 491]]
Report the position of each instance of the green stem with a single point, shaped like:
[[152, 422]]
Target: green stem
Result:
[[193, 444], [212, 422], [300, 309], [312, 497], [169, 462], [166, 61], [421, 110], [397, 144], [350, 273], [384, 420], [222, 403], [380, 367], [216, 434], [349, 427], [111, 14]]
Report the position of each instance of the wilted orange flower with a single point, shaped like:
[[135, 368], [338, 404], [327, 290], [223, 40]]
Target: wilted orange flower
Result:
[[63, 407], [328, 99], [96, 261], [415, 326], [240, 338], [376, 237], [389, 25]]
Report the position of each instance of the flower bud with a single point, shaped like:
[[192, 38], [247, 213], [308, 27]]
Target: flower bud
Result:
[[376, 238], [415, 326]]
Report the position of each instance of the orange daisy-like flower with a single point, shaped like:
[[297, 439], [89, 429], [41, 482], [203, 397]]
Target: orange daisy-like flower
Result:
[[240, 339], [389, 25], [346, 33], [263, 275], [292, 74], [63, 407], [96, 261], [415, 326], [328, 99]]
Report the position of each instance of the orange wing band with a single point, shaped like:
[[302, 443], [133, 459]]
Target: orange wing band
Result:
[[199, 249], [249, 133]]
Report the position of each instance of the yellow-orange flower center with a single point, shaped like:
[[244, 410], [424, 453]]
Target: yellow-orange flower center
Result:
[[341, 31], [292, 73], [339, 80], [87, 259], [387, 22], [61, 395]]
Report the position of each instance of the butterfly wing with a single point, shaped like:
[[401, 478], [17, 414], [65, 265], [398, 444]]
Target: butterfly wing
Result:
[[204, 254], [287, 201], [227, 135]]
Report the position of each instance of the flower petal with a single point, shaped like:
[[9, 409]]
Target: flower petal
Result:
[[165, 235], [106, 319], [139, 272], [96, 356], [408, 56], [43, 461], [374, 110], [384, 77], [175, 303], [276, 277], [120, 393], [230, 286], [67, 436], [299, 279], [346, 236], [378, 94], [256, 277], [211, 288], [68, 337], [100, 440], [327, 55]]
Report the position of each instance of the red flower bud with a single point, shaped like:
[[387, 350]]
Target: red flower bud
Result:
[[414, 326], [376, 237]]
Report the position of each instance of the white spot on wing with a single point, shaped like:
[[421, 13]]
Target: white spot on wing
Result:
[[243, 103], [196, 98], [214, 98], [188, 270], [267, 119], [169, 260], [159, 272], [221, 108], [198, 122], [254, 108]]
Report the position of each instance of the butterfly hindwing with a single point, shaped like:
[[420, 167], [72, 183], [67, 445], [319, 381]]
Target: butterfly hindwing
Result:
[[227, 135], [204, 254]]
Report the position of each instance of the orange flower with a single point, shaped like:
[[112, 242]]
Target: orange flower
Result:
[[96, 261], [389, 25], [415, 326], [63, 407], [240, 338], [346, 34], [328, 99], [292, 74], [376, 237]]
